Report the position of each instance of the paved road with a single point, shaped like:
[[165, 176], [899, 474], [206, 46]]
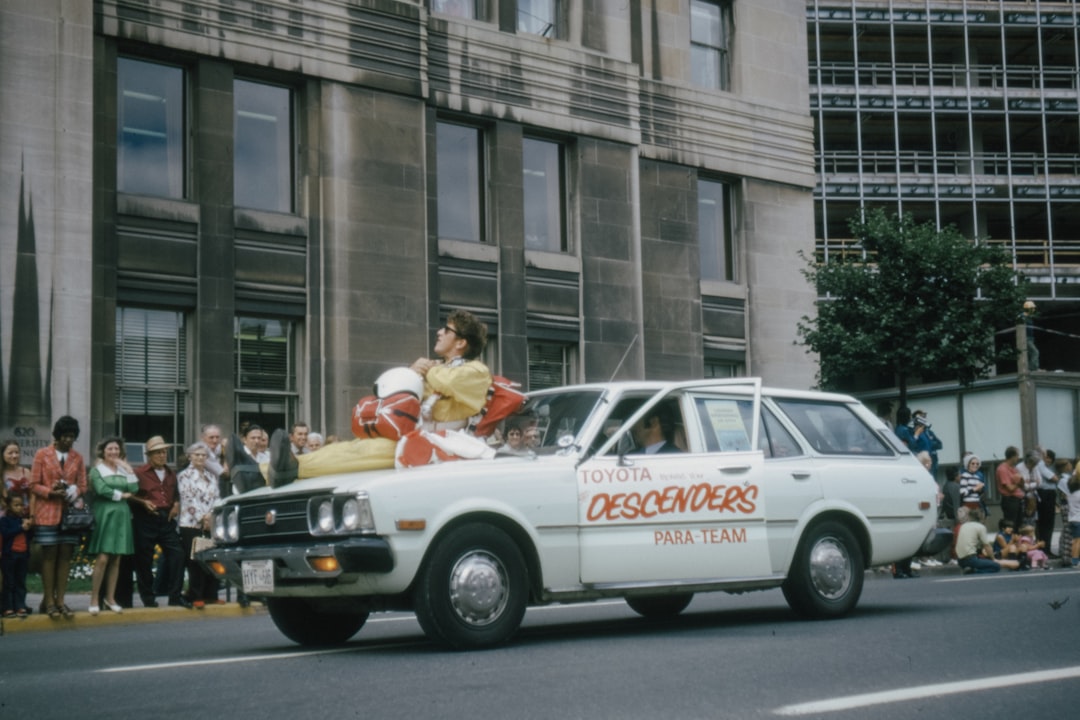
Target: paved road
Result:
[[942, 645]]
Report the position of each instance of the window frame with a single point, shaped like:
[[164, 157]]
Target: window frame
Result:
[[480, 209], [718, 250], [720, 73], [567, 364], [286, 196], [456, 8], [270, 407], [554, 215], [552, 25], [148, 358], [175, 150]]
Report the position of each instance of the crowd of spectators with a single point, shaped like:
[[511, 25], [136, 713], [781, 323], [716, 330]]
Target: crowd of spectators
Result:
[[150, 520], [1034, 487]]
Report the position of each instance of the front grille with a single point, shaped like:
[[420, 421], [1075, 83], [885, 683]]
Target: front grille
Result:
[[290, 520]]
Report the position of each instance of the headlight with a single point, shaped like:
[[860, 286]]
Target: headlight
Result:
[[340, 515], [356, 514], [227, 525], [350, 511], [232, 525], [324, 521]]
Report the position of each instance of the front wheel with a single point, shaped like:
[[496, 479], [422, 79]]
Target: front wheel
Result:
[[659, 606], [473, 589], [303, 624], [826, 576]]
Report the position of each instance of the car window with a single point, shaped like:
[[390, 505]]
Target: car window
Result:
[[725, 423], [833, 428], [774, 439]]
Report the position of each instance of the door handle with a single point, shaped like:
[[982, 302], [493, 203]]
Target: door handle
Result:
[[910, 481], [733, 469], [800, 474]]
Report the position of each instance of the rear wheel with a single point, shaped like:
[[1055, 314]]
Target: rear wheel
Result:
[[826, 576], [299, 621], [473, 589], [659, 606]]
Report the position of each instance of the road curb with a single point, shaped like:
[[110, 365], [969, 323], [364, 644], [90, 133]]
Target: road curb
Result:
[[82, 619]]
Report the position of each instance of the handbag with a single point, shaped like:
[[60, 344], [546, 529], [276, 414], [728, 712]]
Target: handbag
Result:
[[198, 544], [77, 517]]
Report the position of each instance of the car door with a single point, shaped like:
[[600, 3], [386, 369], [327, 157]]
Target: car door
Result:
[[677, 517], [860, 469], [791, 483]]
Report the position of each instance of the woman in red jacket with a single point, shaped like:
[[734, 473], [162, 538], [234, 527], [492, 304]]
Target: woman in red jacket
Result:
[[57, 478]]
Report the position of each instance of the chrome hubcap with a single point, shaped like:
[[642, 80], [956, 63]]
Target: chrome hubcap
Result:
[[830, 568], [478, 588]]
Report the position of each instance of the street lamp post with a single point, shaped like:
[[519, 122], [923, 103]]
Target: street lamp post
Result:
[[1029, 428]]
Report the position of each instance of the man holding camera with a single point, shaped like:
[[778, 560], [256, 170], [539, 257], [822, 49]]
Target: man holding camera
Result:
[[917, 435], [923, 429]]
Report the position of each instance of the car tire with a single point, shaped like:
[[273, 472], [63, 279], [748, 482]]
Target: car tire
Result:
[[473, 589], [659, 606], [826, 576], [303, 624]]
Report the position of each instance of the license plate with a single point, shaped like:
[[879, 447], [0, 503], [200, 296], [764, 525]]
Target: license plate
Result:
[[258, 575]]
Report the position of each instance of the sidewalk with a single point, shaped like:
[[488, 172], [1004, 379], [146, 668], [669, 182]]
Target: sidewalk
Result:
[[79, 602]]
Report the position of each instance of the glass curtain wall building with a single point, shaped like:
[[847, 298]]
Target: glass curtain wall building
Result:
[[963, 113]]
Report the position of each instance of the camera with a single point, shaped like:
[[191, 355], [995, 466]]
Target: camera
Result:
[[921, 420]]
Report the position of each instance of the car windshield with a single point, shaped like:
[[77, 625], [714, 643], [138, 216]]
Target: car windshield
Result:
[[547, 418]]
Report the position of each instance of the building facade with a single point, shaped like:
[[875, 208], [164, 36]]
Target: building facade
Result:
[[229, 210], [961, 112]]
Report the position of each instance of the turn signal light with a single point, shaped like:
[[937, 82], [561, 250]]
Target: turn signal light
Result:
[[924, 505], [411, 524], [324, 564], [217, 568]]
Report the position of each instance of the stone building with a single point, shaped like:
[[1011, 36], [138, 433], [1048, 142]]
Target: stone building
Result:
[[239, 210]]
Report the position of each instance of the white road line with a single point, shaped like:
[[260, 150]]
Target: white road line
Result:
[[1005, 575], [310, 653], [927, 691], [249, 658]]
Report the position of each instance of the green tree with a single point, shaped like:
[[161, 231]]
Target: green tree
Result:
[[920, 302]]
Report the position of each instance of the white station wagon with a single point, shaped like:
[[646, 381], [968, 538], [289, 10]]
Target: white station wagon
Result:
[[771, 488]]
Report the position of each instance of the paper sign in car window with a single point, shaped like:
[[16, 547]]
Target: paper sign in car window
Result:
[[728, 425]]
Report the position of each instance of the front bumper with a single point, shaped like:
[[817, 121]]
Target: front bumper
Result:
[[292, 563]]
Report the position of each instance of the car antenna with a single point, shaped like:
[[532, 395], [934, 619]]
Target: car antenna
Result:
[[623, 358]]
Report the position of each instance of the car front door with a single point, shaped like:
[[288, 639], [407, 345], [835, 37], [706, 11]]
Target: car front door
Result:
[[695, 515]]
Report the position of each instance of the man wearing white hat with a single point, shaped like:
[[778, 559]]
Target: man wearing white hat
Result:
[[157, 483]]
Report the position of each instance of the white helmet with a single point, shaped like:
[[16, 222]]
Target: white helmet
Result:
[[400, 379]]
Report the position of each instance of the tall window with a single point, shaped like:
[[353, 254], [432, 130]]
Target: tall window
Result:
[[460, 168], [265, 368], [263, 168], [151, 376], [538, 17], [719, 368], [457, 8], [150, 128], [714, 231], [544, 195], [551, 364], [710, 38]]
